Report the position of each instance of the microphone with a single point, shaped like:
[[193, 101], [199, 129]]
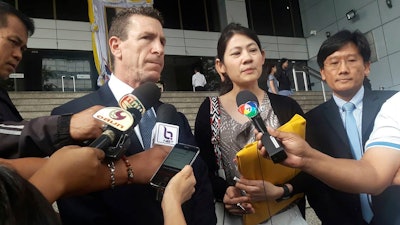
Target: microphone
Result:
[[119, 122], [115, 139], [166, 130], [248, 105], [141, 99]]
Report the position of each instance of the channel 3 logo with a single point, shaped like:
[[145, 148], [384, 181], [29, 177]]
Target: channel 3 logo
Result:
[[249, 109]]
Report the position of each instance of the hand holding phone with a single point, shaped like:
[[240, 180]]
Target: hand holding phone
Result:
[[178, 157]]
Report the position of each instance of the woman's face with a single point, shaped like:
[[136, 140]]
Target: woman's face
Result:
[[243, 61]]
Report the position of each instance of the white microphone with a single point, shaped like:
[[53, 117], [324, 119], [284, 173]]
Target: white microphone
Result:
[[118, 121], [166, 132]]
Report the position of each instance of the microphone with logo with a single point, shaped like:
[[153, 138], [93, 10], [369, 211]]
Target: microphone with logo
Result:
[[141, 99], [115, 137], [115, 140], [248, 106], [166, 130]]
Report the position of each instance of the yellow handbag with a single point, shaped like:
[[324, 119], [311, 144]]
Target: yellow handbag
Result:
[[253, 166]]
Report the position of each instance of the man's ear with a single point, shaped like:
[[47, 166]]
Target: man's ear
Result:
[[322, 72], [114, 43]]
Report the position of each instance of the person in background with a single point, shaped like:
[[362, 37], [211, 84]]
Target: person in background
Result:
[[198, 80], [273, 83], [283, 76], [239, 63], [39, 136], [136, 42]]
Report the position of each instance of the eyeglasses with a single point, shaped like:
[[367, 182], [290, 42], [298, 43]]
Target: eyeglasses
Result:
[[335, 64]]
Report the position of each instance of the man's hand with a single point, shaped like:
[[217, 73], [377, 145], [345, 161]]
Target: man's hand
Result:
[[70, 170], [83, 126], [295, 147]]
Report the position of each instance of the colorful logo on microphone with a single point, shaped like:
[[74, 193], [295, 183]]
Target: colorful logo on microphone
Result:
[[248, 109]]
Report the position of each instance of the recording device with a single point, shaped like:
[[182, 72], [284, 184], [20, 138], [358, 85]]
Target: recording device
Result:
[[248, 105], [166, 131], [120, 121], [178, 157]]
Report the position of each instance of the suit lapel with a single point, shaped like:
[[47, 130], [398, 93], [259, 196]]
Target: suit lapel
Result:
[[370, 109], [331, 112]]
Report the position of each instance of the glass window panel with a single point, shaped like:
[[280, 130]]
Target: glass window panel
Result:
[[193, 15], [37, 9], [75, 10], [259, 16], [170, 11], [213, 16]]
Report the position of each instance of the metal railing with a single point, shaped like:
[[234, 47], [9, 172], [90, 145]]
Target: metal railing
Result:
[[312, 72]]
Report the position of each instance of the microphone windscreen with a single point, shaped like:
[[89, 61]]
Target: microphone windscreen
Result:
[[245, 96], [166, 113], [148, 94], [137, 116]]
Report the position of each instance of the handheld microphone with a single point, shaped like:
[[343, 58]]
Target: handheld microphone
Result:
[[141, 99], [248, 106], [118, 122], [115, 139], [166, 131]]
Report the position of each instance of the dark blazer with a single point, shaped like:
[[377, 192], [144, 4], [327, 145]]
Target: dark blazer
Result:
[[326, 132], [133, 204]]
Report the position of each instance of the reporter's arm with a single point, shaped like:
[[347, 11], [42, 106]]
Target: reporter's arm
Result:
[[179, 189], [372, 174]]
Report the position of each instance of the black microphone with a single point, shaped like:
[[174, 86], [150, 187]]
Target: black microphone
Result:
[[114, 141], [141, 99], [166, 130], [248, 106]]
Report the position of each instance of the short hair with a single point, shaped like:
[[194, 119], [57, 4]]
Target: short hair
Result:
[[21, 203], [121, 20], [338, 40], [6, 10], [227, 33]]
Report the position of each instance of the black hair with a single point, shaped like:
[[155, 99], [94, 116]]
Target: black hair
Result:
[[338, 40], [227, 33], [6, 10], [21, 203]]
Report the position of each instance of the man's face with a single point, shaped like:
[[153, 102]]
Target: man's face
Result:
[[140, 57], [344, 71], [13, 39]]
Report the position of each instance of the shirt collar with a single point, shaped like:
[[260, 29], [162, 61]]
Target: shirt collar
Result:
[[118, 88], [356, 100]]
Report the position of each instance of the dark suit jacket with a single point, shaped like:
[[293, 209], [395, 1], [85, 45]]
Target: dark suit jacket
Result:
[[326, 132], [133, 204]]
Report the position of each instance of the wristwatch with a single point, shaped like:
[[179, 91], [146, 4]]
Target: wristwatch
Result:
[[286, 192]]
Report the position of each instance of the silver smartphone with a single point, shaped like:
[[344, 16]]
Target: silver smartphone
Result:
[[178, 157]]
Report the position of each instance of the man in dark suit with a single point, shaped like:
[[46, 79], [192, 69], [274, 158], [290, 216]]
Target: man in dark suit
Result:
[[137, 46], [344, 62]]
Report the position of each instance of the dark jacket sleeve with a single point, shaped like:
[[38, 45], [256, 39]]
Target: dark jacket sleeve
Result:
[[203, 138], [37, 137]]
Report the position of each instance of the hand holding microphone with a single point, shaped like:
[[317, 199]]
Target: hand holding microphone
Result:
[[248, 106], [121, 121]]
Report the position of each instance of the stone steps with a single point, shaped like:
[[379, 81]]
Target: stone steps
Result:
[[36, 104]]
